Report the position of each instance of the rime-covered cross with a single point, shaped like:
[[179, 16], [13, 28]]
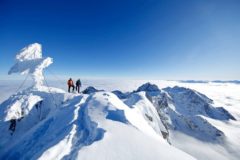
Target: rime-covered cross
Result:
[[30, 61]]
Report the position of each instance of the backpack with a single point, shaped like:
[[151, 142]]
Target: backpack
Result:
[[70, 82], [78, 83]]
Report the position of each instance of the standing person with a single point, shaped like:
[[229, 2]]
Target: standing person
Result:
[[78, 85], [70, 85]]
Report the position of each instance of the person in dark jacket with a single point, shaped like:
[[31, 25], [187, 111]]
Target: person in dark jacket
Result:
[[78, 85]]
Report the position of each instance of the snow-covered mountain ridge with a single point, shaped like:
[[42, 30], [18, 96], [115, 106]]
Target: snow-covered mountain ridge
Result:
[[65, 125], [173, 122]]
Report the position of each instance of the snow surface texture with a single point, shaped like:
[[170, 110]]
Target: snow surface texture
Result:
[[30, 61], [100, 124], [153, 121], [89, 126], [48, 123]]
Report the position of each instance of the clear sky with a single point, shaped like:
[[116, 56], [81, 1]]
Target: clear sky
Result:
[[150, 39]]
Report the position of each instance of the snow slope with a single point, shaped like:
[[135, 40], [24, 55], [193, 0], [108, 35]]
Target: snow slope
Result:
[[118, 119], [81, 127], [48, 123], [100, 124], [223, 95]]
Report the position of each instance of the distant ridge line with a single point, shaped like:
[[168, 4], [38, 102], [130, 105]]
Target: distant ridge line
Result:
[[206, 81]]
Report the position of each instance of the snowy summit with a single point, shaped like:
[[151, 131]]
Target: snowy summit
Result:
[[148, 123]]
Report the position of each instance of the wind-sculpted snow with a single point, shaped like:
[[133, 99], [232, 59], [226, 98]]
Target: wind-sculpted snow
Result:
[[21, 104], [139, 101], [27, 108], [184, 109], [100, 125], [189, 102], [43, 122], [76, 123], [30, 61]]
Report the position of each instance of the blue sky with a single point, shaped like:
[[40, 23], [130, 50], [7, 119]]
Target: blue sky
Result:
[[154, 39]]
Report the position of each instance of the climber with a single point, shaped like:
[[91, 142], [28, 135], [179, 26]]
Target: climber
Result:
[[78, 85], [12, 126], [70, 85]]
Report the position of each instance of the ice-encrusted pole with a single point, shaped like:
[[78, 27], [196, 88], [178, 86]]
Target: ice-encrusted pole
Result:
[[30, 61]]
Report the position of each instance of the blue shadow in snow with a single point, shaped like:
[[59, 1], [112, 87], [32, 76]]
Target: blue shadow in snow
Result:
[[117, 115]]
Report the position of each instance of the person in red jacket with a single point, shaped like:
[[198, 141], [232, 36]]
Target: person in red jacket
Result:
[[70, 85]]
